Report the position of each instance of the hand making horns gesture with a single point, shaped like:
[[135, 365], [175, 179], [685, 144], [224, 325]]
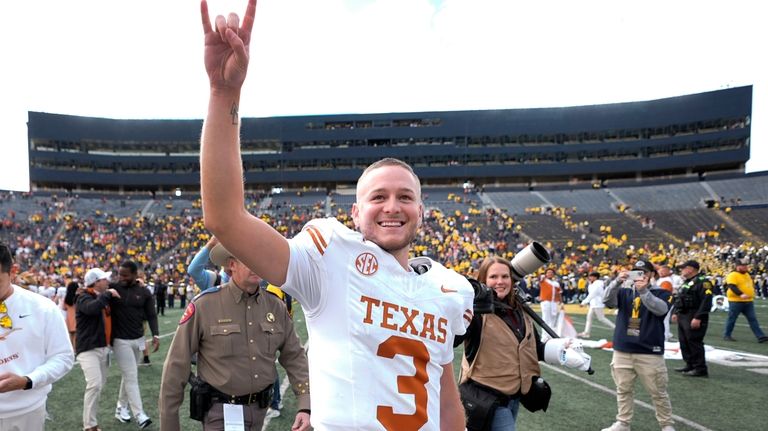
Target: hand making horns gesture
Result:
[[226, 47]]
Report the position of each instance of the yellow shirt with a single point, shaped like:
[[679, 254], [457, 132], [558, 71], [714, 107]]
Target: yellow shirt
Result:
[[745, 285]]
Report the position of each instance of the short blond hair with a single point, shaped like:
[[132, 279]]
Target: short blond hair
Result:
[[390, 161]]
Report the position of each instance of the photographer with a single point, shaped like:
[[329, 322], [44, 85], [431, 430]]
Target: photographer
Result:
[[502, 350], [638, 343]]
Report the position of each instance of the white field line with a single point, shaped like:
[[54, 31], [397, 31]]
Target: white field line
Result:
[[610, 391]]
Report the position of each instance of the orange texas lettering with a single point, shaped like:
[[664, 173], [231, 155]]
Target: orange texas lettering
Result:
[[404, 319]]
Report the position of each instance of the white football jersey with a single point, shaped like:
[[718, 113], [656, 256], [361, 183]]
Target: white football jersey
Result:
[[379, 334]]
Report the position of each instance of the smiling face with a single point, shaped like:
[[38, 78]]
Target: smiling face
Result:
[[388, 210], [126, 276], [499, 279]]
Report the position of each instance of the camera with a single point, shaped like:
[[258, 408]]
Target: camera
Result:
[[635, 275], [525, 262], [529, 260]]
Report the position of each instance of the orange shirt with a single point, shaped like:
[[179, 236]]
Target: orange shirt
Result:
[[549, 290]]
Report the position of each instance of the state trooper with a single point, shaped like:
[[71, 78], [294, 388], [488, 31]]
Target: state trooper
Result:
[[691, 311], [236, 330]]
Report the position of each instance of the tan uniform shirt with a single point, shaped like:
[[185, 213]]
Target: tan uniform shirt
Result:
[[236, 337]]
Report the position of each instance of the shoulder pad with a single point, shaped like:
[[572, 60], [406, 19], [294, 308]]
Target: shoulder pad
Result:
[[213, 289]]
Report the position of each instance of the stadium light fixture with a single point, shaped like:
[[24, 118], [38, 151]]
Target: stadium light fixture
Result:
[[177, 192]]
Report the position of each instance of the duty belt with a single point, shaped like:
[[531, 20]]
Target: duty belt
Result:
[[263, 397]]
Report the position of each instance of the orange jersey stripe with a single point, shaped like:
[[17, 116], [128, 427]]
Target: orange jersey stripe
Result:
[[313, 232], [468, 316], [319, 236]]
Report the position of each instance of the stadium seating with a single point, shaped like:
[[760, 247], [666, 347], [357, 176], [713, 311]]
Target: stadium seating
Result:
[[746, 190], [663, 197], [586, 201], [754, 219], [686, 223], [514, 202]]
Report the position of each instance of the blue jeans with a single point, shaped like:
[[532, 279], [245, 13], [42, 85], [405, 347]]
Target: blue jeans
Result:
[[748, 310], [505, 416]]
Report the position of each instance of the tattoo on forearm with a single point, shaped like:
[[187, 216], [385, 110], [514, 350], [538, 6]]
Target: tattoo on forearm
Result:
[[233, 113]]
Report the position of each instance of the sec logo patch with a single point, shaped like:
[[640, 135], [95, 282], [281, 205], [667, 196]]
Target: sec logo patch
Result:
[[367, 264]]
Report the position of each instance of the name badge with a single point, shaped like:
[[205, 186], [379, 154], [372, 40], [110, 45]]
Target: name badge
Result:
[[633, 328], [233, 417]]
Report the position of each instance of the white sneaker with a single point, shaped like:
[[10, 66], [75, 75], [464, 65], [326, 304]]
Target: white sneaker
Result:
[[272, 413], [143, 420], [122, 414], [667, 428], [618, 426]]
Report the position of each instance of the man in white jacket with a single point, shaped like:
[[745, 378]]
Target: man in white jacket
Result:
[[594, 299], [35, 351], [671, 283]]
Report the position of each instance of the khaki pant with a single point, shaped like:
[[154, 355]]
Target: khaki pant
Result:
[[30, 421], [94, 365], [652, 370], [127, 354], [253, 417]]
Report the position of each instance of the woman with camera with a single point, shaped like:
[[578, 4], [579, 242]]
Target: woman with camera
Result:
[[502, 350]]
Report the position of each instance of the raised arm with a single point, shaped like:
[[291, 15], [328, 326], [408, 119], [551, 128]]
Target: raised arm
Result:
[[196, 268], [252, 240], [612, 291]]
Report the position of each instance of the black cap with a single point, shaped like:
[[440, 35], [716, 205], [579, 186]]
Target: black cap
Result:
[[692, 263], [594, 274], [644, 265]]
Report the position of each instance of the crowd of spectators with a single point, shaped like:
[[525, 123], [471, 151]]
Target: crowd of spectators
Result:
[[54, 241]]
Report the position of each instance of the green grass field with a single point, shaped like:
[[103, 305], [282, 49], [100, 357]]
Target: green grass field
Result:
[[732, 398]]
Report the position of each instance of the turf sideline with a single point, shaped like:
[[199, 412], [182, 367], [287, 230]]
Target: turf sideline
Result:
[[680, 419]]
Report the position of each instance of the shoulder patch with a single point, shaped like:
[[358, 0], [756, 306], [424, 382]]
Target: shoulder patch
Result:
[[213, 289], [188, 313]]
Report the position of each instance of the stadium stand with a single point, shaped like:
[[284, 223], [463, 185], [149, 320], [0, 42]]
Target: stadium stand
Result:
[[515, 202], [745, 190], [599, 184], [661, 197], [754, 220], [586, 201], [679, 136]]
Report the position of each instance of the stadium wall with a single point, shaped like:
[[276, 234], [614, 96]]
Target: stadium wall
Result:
[[686, 135]]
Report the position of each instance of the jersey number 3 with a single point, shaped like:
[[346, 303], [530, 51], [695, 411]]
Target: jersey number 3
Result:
[[415, 384]]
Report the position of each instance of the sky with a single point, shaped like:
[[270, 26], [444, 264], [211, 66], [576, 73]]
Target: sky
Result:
[[142, 59]]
